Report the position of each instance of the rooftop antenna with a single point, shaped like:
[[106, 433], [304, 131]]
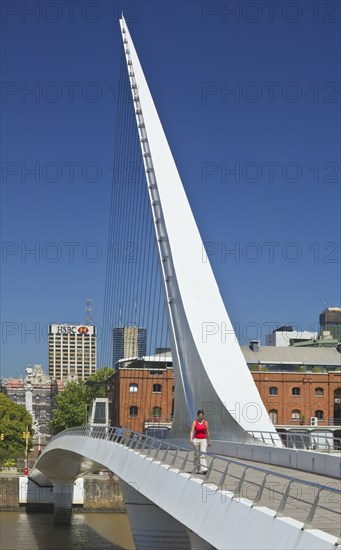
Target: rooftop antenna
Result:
[[88, 312]]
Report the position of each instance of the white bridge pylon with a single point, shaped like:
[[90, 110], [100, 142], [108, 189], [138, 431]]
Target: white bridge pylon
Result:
[[209, 368]]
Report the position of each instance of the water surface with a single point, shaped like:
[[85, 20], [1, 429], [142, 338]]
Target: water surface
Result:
[[88, 530]]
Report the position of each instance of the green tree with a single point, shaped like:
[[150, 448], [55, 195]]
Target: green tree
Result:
[[72, 404], [71, 407], [14, 419], [97, 382]]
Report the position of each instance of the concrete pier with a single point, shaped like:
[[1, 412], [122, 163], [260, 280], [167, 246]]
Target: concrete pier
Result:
[[62, 497], [151, 527]]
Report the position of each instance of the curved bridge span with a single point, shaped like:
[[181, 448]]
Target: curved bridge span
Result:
[[237, 504]]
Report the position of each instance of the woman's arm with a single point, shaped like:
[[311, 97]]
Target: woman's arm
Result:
[[208, 435], [192, 432]]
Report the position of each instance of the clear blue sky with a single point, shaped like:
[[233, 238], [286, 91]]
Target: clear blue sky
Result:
[[255, 90]]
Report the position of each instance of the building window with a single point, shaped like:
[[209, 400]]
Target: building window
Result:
[[133, 388], [133, 410], [157, 411], [319, 392], [273, 414], [295, 414], [337, 396], [157, 388], [296, 391], [319, 414], [273, 390]]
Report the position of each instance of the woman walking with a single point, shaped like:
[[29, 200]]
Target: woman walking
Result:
[[200, 437]]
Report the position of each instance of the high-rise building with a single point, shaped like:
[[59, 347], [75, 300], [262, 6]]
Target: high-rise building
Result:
[[129, 341], [72, 351]]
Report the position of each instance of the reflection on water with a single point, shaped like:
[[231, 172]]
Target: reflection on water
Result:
[[91, 531]]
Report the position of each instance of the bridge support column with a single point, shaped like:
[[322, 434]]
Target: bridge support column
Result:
[[151, 527], [62, 499]]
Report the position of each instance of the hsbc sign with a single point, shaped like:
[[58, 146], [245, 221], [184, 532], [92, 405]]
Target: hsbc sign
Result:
[[72, 330]]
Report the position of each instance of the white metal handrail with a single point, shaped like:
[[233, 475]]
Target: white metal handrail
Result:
[[296, 440]]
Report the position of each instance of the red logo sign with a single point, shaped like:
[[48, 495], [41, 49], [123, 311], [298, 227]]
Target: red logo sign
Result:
[[83, 330]]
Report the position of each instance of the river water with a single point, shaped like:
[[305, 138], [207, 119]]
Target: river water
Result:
[[88, 531]]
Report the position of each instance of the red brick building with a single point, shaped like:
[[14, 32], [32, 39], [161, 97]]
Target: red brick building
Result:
[[143, 393], [295, 398]]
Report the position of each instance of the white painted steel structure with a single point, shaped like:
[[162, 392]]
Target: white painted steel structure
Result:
[[175, 505], [209, 367]]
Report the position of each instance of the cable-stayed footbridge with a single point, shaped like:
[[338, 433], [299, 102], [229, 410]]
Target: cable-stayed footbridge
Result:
[[237, 504]]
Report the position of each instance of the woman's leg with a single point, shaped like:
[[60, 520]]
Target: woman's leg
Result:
[[196, 443], [203, 449]]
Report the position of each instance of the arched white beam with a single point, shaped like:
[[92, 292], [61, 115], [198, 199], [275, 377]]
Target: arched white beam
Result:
[[209, 367]]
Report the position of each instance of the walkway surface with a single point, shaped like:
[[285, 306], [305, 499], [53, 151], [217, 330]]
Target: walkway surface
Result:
[[300, 497]]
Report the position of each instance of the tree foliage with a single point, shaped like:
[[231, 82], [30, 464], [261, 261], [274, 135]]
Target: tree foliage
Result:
[[72, 404], [97, 382], [14, 419], [71, 407]]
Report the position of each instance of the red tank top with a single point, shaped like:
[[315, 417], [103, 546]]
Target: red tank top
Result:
[[200, 430]]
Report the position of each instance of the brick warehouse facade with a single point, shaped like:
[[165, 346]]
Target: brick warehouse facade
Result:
[[295, 398], [144, 396]]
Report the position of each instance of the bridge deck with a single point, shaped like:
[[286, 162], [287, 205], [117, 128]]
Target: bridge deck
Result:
[[313, 500], [300, 497]]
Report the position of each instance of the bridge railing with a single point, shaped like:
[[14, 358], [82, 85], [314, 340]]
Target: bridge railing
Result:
[[324, 441], [315, 505]]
